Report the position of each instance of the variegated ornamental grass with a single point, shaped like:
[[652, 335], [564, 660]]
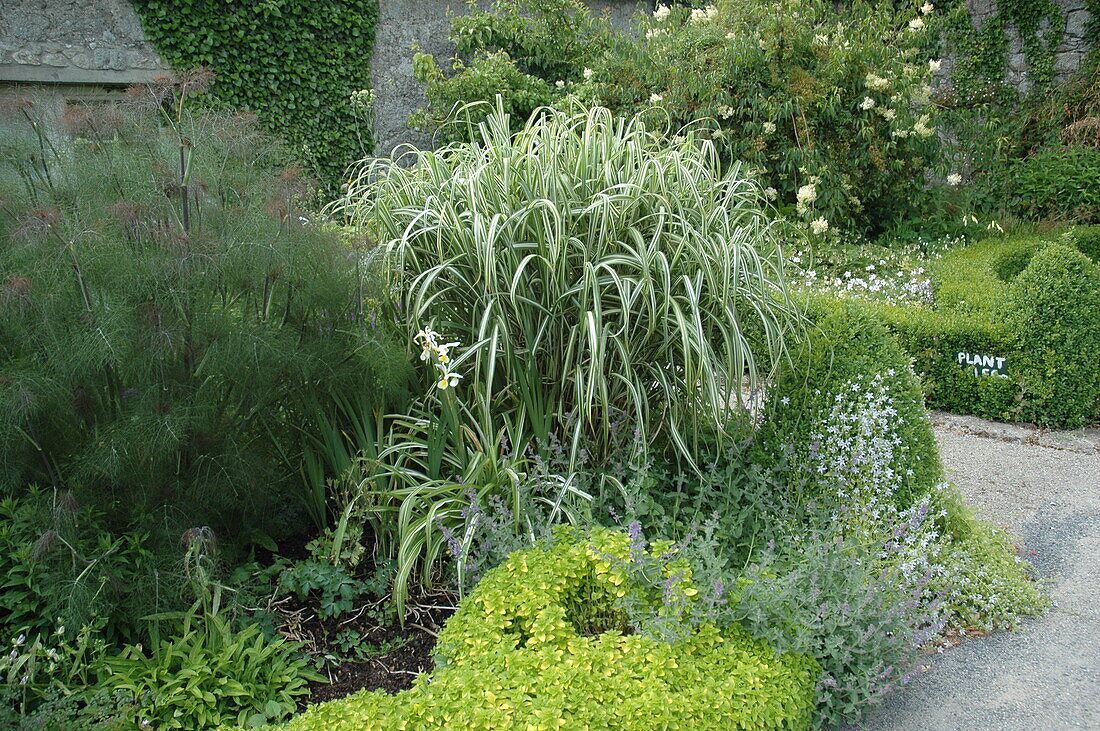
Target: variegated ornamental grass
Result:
[[598, 269], [595, 274]]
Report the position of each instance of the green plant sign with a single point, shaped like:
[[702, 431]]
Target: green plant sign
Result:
[[298, 64]]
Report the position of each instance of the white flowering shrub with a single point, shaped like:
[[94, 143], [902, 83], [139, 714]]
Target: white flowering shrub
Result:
[[830, 105]]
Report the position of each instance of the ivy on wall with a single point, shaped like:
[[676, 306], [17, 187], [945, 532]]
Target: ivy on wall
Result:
[[983, 52], [301, 65]]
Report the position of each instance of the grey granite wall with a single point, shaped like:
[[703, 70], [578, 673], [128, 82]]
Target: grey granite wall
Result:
[[74, 42]]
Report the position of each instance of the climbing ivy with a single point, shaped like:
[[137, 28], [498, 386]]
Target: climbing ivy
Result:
[[298, 64], [1092, 28], [983, 52]]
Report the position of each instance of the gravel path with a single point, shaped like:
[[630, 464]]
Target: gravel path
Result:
[[1045, 488]]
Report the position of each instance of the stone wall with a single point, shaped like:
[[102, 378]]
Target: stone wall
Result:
[[74, 42]]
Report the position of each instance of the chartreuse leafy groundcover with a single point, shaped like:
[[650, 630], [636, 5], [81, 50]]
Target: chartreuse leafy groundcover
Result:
[[541, 643]]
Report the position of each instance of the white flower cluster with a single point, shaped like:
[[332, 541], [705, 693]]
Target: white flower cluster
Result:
[[876, 83], [921, 128], [898, 276], [856, 456], [806, 195], [703, 15], [362, 101], [439, 355]]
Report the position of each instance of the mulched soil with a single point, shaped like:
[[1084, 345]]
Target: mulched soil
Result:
[[408, 649], [397, 669]]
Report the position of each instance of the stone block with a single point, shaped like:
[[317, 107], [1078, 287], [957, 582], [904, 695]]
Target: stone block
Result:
[[1075, 23], [25, 57]]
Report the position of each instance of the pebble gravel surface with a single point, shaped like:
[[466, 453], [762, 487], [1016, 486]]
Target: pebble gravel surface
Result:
[[1044, 487]]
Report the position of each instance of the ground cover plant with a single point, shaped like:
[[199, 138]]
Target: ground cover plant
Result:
[[542, 641]]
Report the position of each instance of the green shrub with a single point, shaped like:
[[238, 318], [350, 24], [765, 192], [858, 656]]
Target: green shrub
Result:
[[935, 339], [978, 312], [846, 357], [1054, 318], [541, 642], [1017, 254], [1061, 183], [1087, 240], [1012, 262], [170, 317], [969, 295]]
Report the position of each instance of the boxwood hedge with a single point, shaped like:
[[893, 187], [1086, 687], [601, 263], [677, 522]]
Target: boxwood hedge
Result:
[[1032, 300]]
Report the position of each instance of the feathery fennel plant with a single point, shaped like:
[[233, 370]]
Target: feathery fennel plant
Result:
[[167, 317]]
